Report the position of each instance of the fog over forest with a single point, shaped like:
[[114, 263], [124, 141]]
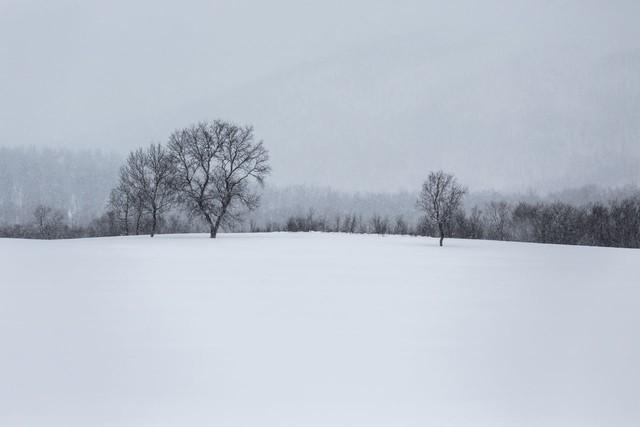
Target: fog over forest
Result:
[[351, 95], [78, 183]]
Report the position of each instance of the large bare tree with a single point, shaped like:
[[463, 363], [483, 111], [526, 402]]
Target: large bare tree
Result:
[[218, 165], [440, 198]]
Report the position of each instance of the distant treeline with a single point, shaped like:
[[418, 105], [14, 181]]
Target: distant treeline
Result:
[[49, 223], [51, 194], [616, 223]]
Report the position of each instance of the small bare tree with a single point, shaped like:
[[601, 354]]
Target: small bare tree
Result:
[[440, 197], [498, 220], [49, 222], [121, 204], [337, 222], [160, 194], [149, 174], [350, 224], [379, 225], [216, 165], [127, 201], [400, 227]]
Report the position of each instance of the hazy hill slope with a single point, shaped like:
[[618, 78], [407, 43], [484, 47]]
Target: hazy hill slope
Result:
[[503, 115], [76, 181]]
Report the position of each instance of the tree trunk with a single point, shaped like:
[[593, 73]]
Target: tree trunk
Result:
[[212, 229], [215, 227], [441, 228], [126, 222], [138, 217], [154, 221]]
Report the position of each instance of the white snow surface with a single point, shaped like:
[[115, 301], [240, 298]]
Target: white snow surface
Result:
[[317, 330]]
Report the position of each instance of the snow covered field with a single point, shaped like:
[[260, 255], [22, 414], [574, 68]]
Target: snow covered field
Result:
[[317, 330]]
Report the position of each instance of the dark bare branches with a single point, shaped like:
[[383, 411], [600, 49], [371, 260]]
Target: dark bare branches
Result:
[[217, 165], [148, 179], [49, 222], [440, 198]]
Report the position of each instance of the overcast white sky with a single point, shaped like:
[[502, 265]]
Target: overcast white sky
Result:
[[353, 94]]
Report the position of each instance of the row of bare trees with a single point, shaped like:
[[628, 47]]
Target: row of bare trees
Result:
[[210, 170], [46, 223], [440, 200], [49, 222], [347, 223], [615, 223]]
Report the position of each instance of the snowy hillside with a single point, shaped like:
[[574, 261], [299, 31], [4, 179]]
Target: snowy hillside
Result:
[[317, 330]]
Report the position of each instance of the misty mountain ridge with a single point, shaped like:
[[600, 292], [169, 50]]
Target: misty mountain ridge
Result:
[[509, 96], [503, 118]]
